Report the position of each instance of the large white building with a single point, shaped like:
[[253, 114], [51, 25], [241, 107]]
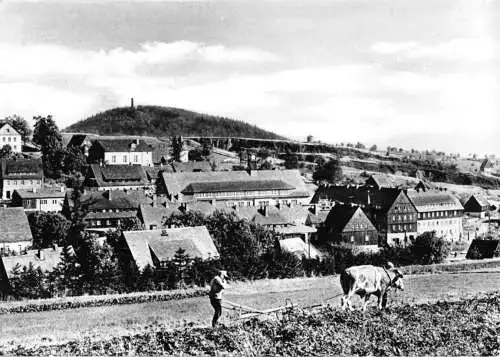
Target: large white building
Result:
[[121, 152], [9, 136], [438, 212]]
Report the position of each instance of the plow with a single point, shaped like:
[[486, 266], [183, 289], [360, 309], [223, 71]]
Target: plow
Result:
[[245, 312]]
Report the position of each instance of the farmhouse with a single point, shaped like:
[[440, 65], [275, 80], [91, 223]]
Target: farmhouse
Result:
[[20, 174], [46, 200], [116, 177], [157, 247], [121, 152], [241, 188], [477, 206], [9, 136], [45, 259], [389, 209], [108, 209], [439, 212], [15, 234], [348, 224]]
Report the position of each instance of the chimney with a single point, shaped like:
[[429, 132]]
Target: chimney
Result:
[[132, 102]]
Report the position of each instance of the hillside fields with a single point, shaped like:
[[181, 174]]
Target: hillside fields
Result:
[[102, 322]]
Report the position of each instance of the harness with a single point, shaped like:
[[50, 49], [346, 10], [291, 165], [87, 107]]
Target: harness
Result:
[[391, 281]]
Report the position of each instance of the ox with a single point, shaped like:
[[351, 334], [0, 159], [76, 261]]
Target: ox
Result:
[[367, 280]]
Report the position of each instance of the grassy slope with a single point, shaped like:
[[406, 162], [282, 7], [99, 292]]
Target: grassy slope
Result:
[[165, 122], [102, 322]]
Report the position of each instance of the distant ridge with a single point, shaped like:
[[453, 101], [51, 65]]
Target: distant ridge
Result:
[[166, 122]]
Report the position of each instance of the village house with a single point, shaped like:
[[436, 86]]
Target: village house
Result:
[[116, 177], [109, 209], [241, 188], [438, 212], [9, 136], [20, 174], [15, 232], [121, 152], [155, 248], [45, 259], [46, 199], [477, 206], [389, 209], [348, 224], [300, 248]]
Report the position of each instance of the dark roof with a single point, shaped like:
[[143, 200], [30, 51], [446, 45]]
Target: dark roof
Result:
[[433, 201], [340, 215], [111, 215], [193, 166], [123, 145], [487, 248], [116, 199], [21, 169], [14, 225], [164, 243], [481, 201], [380, 199], [44, 193], [49, 259], [232, 186], [119, 175]]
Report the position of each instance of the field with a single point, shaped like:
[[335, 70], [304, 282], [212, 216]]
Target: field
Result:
[[56, 327]]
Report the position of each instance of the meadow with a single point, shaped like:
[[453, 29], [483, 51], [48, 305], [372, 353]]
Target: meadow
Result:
[[104, 322]]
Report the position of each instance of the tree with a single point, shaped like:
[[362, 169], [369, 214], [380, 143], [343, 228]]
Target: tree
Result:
[[360, 145], [20, 125], [48, 229], [47, 135], [373, 148], [177, 148], [291, 161], [73, 160], [429, 249], [330, 171], [67, 276], [5, 152]]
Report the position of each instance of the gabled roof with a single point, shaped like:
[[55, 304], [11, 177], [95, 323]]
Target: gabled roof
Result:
[[236, 186], [8, 127], [433, 201], [340, 215], [123, 145], [379, 181], [21, 169], [480, 199], [119, 175], [49, 260], [164, 243], [486, 164], [115, 199], [177, 182], [14, 225], [294, 213], [154, 216], [298, 247]]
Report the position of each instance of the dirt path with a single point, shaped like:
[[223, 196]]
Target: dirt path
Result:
[[59, 326]]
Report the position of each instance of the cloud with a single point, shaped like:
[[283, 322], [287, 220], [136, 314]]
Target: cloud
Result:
[[18, 61], [459, 49]]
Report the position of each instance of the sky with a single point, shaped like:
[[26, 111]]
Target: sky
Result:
[[421, 74]]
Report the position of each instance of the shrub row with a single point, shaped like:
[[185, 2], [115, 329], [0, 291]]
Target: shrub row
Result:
[[451, 267], [99, 300], [444, 328]]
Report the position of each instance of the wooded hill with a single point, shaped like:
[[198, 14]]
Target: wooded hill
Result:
[[166, 122]]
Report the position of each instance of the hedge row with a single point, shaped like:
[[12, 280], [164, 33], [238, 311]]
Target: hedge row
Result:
[[450, 267], [99, 300]]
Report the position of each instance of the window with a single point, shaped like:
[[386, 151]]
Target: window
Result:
[[352, 239], [113, 158], [22, 182], [367, 238], [4, 139], [136, 158], [14, 140], [14, 182], [125, 158], [7, 194], [10, 140], [15, 147]]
